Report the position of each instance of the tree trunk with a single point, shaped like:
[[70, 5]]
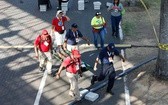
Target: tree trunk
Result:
[[162, 61]]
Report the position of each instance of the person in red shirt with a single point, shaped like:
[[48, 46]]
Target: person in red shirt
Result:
[[58, 28], [72, 65], [42, 48]]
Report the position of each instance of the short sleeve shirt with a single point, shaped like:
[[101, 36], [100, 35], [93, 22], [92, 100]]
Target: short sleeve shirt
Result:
[[72, 37], [43, 45], [105, 54], [115, 11], [70, 65], [97, 21], [59, 24]]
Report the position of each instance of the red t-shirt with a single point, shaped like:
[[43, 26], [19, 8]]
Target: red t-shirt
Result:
[[43, 45], [71, 66], [59, 24]]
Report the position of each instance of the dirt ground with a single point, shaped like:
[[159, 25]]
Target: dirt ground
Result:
[[146, 89]]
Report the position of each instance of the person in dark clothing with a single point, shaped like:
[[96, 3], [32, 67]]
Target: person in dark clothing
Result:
[[59, 4], [73, 37], [106, 56]]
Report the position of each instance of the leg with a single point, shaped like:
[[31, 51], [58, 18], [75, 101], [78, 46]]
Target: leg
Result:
[[59, 4], [95, 37], [101, 76], [74, 90], [102, 35], [118, 19], [113, 25], [59, 41], [42, 58], [49, 62], [111, 79]]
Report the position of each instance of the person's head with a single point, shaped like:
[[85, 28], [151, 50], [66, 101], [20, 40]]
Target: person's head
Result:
[[59, 13], [110, 47], [44, 33], [75, 54], [98, 14], [74, 26], [116, 2]]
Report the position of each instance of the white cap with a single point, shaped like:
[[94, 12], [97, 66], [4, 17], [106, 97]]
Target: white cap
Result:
[[58, 12]]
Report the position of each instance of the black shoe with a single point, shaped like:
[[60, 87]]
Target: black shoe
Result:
[[41, 69], [109, 92], [93, 79]]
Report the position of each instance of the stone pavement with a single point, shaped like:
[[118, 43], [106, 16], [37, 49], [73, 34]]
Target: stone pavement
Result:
[[20, 23]]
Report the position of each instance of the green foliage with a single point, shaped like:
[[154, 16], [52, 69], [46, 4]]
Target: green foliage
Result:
[[128, 27], [146, 2]]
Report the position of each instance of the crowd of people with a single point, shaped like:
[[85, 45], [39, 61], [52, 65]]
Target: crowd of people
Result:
[[67, 40]]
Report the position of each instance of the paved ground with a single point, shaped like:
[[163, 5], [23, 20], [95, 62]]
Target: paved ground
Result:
[[20, 23]]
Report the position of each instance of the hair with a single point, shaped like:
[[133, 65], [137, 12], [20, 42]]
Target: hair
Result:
[[117, 2]]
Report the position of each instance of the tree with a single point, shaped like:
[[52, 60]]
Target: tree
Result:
[[162, 60]]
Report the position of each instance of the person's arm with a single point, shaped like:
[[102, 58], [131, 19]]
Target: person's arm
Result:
[[59, 71], [122, 57], [36, 48], [36, 51], [109, 8], [65, 44], [96, 63], [86, 39], [68, 19], [80, 71]]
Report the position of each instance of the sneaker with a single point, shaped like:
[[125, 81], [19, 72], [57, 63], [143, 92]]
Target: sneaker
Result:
[[71, 94], [109, 92], [93, 79], [77, 99]]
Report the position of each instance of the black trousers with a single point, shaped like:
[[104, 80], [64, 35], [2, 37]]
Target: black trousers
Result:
[[107, 70], [47, 2]]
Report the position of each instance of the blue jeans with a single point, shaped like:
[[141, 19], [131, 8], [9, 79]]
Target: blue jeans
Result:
[[115, 20], [101, 34]]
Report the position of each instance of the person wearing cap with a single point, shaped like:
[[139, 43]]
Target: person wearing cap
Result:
[[72, 38], [98, 23], [72, 65], [106, 56], [42, 48], [117, 10], [58, 28]]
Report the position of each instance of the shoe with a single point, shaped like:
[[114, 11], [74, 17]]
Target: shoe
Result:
[[77, 99], [110, 92], [49, 72], [41, 69], [93, 79], [71, 94]]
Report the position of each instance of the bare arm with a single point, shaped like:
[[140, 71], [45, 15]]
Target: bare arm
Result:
[[68, 19], [122, 57], [36, 51], [86, 39], [59, 71], [96, 62]]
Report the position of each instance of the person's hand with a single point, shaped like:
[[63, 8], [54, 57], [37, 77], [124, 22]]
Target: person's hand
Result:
[[95, 68], [123, 59], [80, 75], [36, 56], [57, 76], [88, 42]]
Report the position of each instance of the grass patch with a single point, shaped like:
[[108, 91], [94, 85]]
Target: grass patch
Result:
[[128, 28]]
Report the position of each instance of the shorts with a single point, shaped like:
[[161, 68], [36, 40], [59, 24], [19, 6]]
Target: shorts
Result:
[[59, 38], [71, 47]]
